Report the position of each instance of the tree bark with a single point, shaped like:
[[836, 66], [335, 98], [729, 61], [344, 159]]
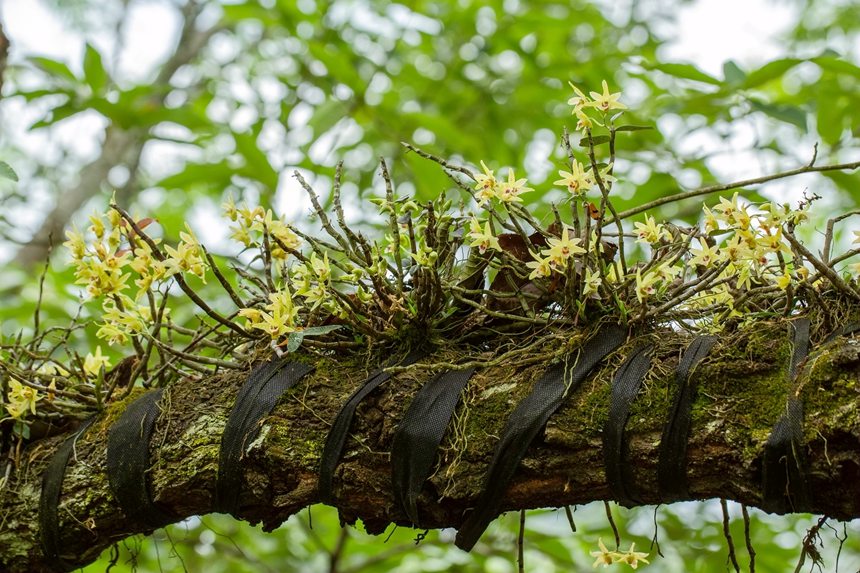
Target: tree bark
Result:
[[743, 388]]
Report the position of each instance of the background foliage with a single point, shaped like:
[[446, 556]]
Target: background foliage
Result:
[[251, 90]]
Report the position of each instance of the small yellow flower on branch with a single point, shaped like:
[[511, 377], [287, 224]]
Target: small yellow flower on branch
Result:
[[186, 257], [509, 191], [607, 101], [649, 231], [604, 556], [632, 558], [485, 185], [483, 239], [705, 256], [577, 180], [93, 363], [579, 100], [21, 399], [562, 249]]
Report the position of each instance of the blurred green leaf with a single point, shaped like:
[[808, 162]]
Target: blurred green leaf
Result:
[[595, 140], [326, 115], [770, 71], [216, 174], [257, 166], [633, 128], [789, 114], [733, 74], [6, 171], [687, 72], [57, 114], [55, 68], [94, 72], [838, 65]]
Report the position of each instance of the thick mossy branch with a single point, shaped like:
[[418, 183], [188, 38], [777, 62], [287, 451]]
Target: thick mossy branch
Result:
[[742, 392]]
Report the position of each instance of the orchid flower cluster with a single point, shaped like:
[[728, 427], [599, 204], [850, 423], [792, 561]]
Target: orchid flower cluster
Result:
[[434, 269]]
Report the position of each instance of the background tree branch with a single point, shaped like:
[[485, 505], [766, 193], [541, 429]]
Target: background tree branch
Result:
[[121, 147]]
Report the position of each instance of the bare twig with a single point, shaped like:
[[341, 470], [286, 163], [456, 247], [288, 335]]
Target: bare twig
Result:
[[444, 163], [728, 535], [735, 185]]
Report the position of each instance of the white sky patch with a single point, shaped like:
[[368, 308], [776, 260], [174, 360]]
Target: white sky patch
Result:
[[709, 32]]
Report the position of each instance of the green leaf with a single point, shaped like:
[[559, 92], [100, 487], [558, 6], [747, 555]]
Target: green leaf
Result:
[[732, 73], [326, 115], [830, 119], [596, 140], [57, 114], [633, 127], [770, 71], [94, 70], [6, 172], [21, 429], [787, 113], [317, 330], [55, 68], [31, 95], [837, 65], [257, 164], [294, 340], [687, 72], [249, 11], [213, 174]]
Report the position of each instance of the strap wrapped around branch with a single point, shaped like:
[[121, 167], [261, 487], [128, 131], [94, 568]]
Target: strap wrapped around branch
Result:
[[530, 415], [128, 461], [784, 469], [49, 500], [419, 434], [255, 400], [672, 465], [625, 388], [336, 438]]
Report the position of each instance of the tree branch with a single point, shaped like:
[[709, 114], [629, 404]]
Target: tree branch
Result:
[[742, 392]]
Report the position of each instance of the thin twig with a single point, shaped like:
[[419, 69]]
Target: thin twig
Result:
[[822, 268], [440, 161], [521, 542], [180, 280], [612, 524], [735, 185], [747, 537], [234, 296], [728, 535], [570, 520], [828, 235]]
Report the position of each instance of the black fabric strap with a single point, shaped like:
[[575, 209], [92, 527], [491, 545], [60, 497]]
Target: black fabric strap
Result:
[[49, 500], [530, 415], [336, 438], [255, 400], [849, 328], [784, 470], [413, 449], [672, 465], [128, 461], [625, 388]]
